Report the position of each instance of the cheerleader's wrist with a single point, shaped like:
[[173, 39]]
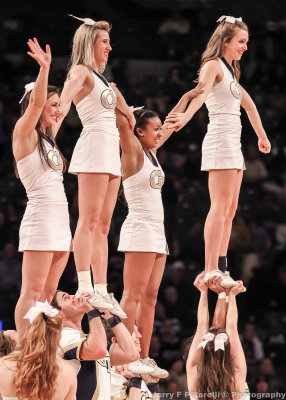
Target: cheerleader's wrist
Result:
[[222, 295], [153, 387], [93, 314], [135, 382], [113, 321]]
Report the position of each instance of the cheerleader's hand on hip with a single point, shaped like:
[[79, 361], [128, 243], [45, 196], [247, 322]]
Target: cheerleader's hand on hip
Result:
[[176, 121], [264, 145], [43, 58]]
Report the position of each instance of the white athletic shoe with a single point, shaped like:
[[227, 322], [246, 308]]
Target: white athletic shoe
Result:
[[116, 309], [138, 368], [98, 301], [227, 281], [158, 372], [212, 274]]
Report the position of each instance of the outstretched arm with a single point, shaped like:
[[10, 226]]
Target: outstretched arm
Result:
[[232, 332], [180, 107], [203, 322], [208, 75], [254, 118], [25, 126]]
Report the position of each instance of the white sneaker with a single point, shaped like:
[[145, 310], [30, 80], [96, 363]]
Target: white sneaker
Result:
[[138, 368], [158, 372], [212, 274], [116, 309], [98, 301], [227, 281]]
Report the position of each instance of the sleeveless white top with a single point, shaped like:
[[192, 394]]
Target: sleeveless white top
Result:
[[225, 97], [143, 192], [43, 182], [96, 110]]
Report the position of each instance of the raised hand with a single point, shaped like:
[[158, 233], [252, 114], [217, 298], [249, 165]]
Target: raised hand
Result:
[[199, 283], [43, 58], [176, 121], [264, 145], [214, 284], [238, 288]]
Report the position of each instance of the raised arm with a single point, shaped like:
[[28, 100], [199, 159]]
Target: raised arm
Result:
[[202, 325], [124, 351], [123, 107], [232, 332], [219, 318], [254, 118], [180, 107], [25, 127], [208, 75]]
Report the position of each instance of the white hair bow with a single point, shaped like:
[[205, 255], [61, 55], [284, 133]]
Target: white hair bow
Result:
[[219, 340], [40, 307], [228, 18], [135, 108], [28, 88], [86, 21]]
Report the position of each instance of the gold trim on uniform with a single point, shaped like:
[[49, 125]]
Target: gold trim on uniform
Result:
[[108, 99], [55, 160], [157, 179], [235, 90]]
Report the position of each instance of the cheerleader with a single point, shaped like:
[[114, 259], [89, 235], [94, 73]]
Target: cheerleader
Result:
[[45, 237], [221, 151]]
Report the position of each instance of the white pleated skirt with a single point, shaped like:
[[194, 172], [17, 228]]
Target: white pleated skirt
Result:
[[45, 227], [96, 152], [221, 147], [143, 236]]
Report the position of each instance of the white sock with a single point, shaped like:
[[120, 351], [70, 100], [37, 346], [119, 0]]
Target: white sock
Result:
[[84, 281], [101, 288]]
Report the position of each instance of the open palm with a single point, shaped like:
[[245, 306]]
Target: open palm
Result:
[[43, 58]]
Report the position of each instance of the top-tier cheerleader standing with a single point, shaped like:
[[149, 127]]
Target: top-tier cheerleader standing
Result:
[[221, 151], [96, 157], [142, 236], [45, 236]]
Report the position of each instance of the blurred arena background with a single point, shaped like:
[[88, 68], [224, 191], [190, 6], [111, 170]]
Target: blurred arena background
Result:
[[156, 52]]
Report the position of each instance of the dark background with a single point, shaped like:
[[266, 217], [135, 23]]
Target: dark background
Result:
[[154, 70]]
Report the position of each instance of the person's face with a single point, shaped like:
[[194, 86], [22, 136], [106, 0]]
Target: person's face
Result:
[[151, 133], [70, 305], [136, 336], [102, 47], [12, 335], [235, 48], [51, 111]]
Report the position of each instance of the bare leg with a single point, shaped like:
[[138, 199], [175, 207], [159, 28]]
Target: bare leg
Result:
[[221, 188], [59, 263], [231, 214], [99, 251], [146, 308], [35, 271], [137, 271], [92, 189]]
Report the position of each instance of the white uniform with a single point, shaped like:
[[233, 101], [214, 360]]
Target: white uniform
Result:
[[221, 146], [143, 230], [45, 225], [93, 376], [98, 148]]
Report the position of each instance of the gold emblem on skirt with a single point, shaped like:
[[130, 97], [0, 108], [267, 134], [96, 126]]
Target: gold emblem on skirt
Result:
[[108, 99], [156, 179], [54, 160], [235, 90]]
